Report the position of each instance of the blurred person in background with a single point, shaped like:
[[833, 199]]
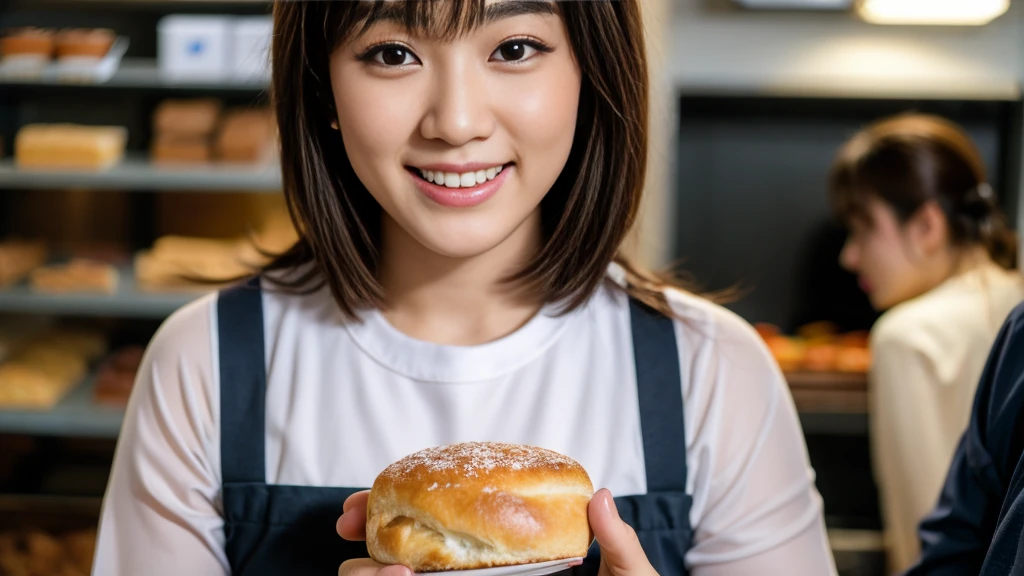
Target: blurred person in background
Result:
[[931, 247]]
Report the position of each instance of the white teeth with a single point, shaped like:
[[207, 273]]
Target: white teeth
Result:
[[466, 180]]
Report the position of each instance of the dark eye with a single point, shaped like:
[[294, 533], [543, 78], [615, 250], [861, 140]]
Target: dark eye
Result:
[[392, 55], [514, 51]]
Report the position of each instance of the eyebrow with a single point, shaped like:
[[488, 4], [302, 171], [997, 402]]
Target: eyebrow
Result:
[[511, 8]]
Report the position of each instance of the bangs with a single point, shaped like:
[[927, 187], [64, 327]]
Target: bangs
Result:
[[441, 19], [849, 189]]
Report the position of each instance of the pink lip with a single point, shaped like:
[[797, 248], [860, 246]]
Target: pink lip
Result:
[[461, 197], [864, 285]]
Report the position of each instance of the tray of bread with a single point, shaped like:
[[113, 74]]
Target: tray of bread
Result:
[[826, 370], [47, 535], [40, 369], [73, 55]]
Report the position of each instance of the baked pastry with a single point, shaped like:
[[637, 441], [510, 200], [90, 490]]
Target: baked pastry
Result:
[[69, 146], [854, 360], [18, 258], [820, 357], [36, 42], [116, 377], [76, 276], [84, 42], [247, 136], [477, 505], [173, 149], [196, 117]]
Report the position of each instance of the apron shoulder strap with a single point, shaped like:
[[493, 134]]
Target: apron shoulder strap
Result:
[[659, 387], [243, 383]]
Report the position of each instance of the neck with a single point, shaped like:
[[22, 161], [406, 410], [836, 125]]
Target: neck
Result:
[[953, 263], [970, 258], [460, 301]]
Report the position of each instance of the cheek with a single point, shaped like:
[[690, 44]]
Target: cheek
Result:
[[541, 117], [375, 123]]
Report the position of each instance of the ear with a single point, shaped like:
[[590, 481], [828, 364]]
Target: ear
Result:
[[927, 229]]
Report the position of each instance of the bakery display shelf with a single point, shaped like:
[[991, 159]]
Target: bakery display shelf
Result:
[[75, 415], [127, 302], [144, 73], [136, 173], [834, 423], [844, 380]]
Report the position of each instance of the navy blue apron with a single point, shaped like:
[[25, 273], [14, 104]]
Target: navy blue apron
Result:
[[273, 529]]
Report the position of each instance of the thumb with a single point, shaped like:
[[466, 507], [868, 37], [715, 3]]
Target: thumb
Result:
[[621, 553]]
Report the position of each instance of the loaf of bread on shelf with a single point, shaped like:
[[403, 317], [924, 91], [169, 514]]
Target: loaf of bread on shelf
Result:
[[116, 377], [36, 42], [38, 553], [170, 149], [69, 146], [184, 118], [75, 276], [247, 136], [177, 262], [41, 371], [18, 258], [84, 42]]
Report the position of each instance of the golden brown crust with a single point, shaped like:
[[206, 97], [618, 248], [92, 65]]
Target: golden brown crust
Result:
[[87, 42], [27, 41], [478, 505]]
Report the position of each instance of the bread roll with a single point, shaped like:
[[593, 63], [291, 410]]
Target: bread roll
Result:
[[187, 118], [69, 146], [28, 41], [84, 42], [479, 505]]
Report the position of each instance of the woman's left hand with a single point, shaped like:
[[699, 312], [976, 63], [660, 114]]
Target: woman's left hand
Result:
[[621, 553]]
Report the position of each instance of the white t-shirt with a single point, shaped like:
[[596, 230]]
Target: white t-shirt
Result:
[[345, 399], [929, 353]]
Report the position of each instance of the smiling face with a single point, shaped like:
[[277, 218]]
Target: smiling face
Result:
[[460, 139]]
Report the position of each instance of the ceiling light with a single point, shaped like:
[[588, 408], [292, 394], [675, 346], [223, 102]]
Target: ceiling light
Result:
[[933, 12]]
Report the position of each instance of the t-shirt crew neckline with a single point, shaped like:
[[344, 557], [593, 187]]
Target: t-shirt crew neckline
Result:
[[447, 364]]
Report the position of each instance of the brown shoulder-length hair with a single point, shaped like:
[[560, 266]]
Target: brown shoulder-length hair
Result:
[[586, 214], [912, 159]]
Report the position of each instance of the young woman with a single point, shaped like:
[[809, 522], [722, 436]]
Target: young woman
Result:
[[461, 175], [931, 246]]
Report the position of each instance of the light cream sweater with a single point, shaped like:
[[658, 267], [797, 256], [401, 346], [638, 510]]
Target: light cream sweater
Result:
[[929, 353]]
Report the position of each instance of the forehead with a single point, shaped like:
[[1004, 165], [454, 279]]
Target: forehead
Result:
[[445, 19]]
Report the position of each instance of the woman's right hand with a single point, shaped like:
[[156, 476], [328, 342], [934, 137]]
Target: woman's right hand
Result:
[[352, 526]]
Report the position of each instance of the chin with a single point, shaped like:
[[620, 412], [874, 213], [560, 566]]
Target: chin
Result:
[[882, 302], [464, 244]]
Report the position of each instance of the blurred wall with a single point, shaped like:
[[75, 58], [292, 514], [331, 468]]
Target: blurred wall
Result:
[[717, 46]]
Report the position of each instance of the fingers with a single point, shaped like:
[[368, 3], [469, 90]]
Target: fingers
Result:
[[621, 553], [359, 498], [367, 567], [352, 524]]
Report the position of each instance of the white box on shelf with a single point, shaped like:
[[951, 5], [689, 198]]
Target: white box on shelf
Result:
[[250, 47], [194, 47]]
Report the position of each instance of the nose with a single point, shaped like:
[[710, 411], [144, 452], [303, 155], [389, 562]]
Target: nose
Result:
[[459, 107], [849, 257]]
